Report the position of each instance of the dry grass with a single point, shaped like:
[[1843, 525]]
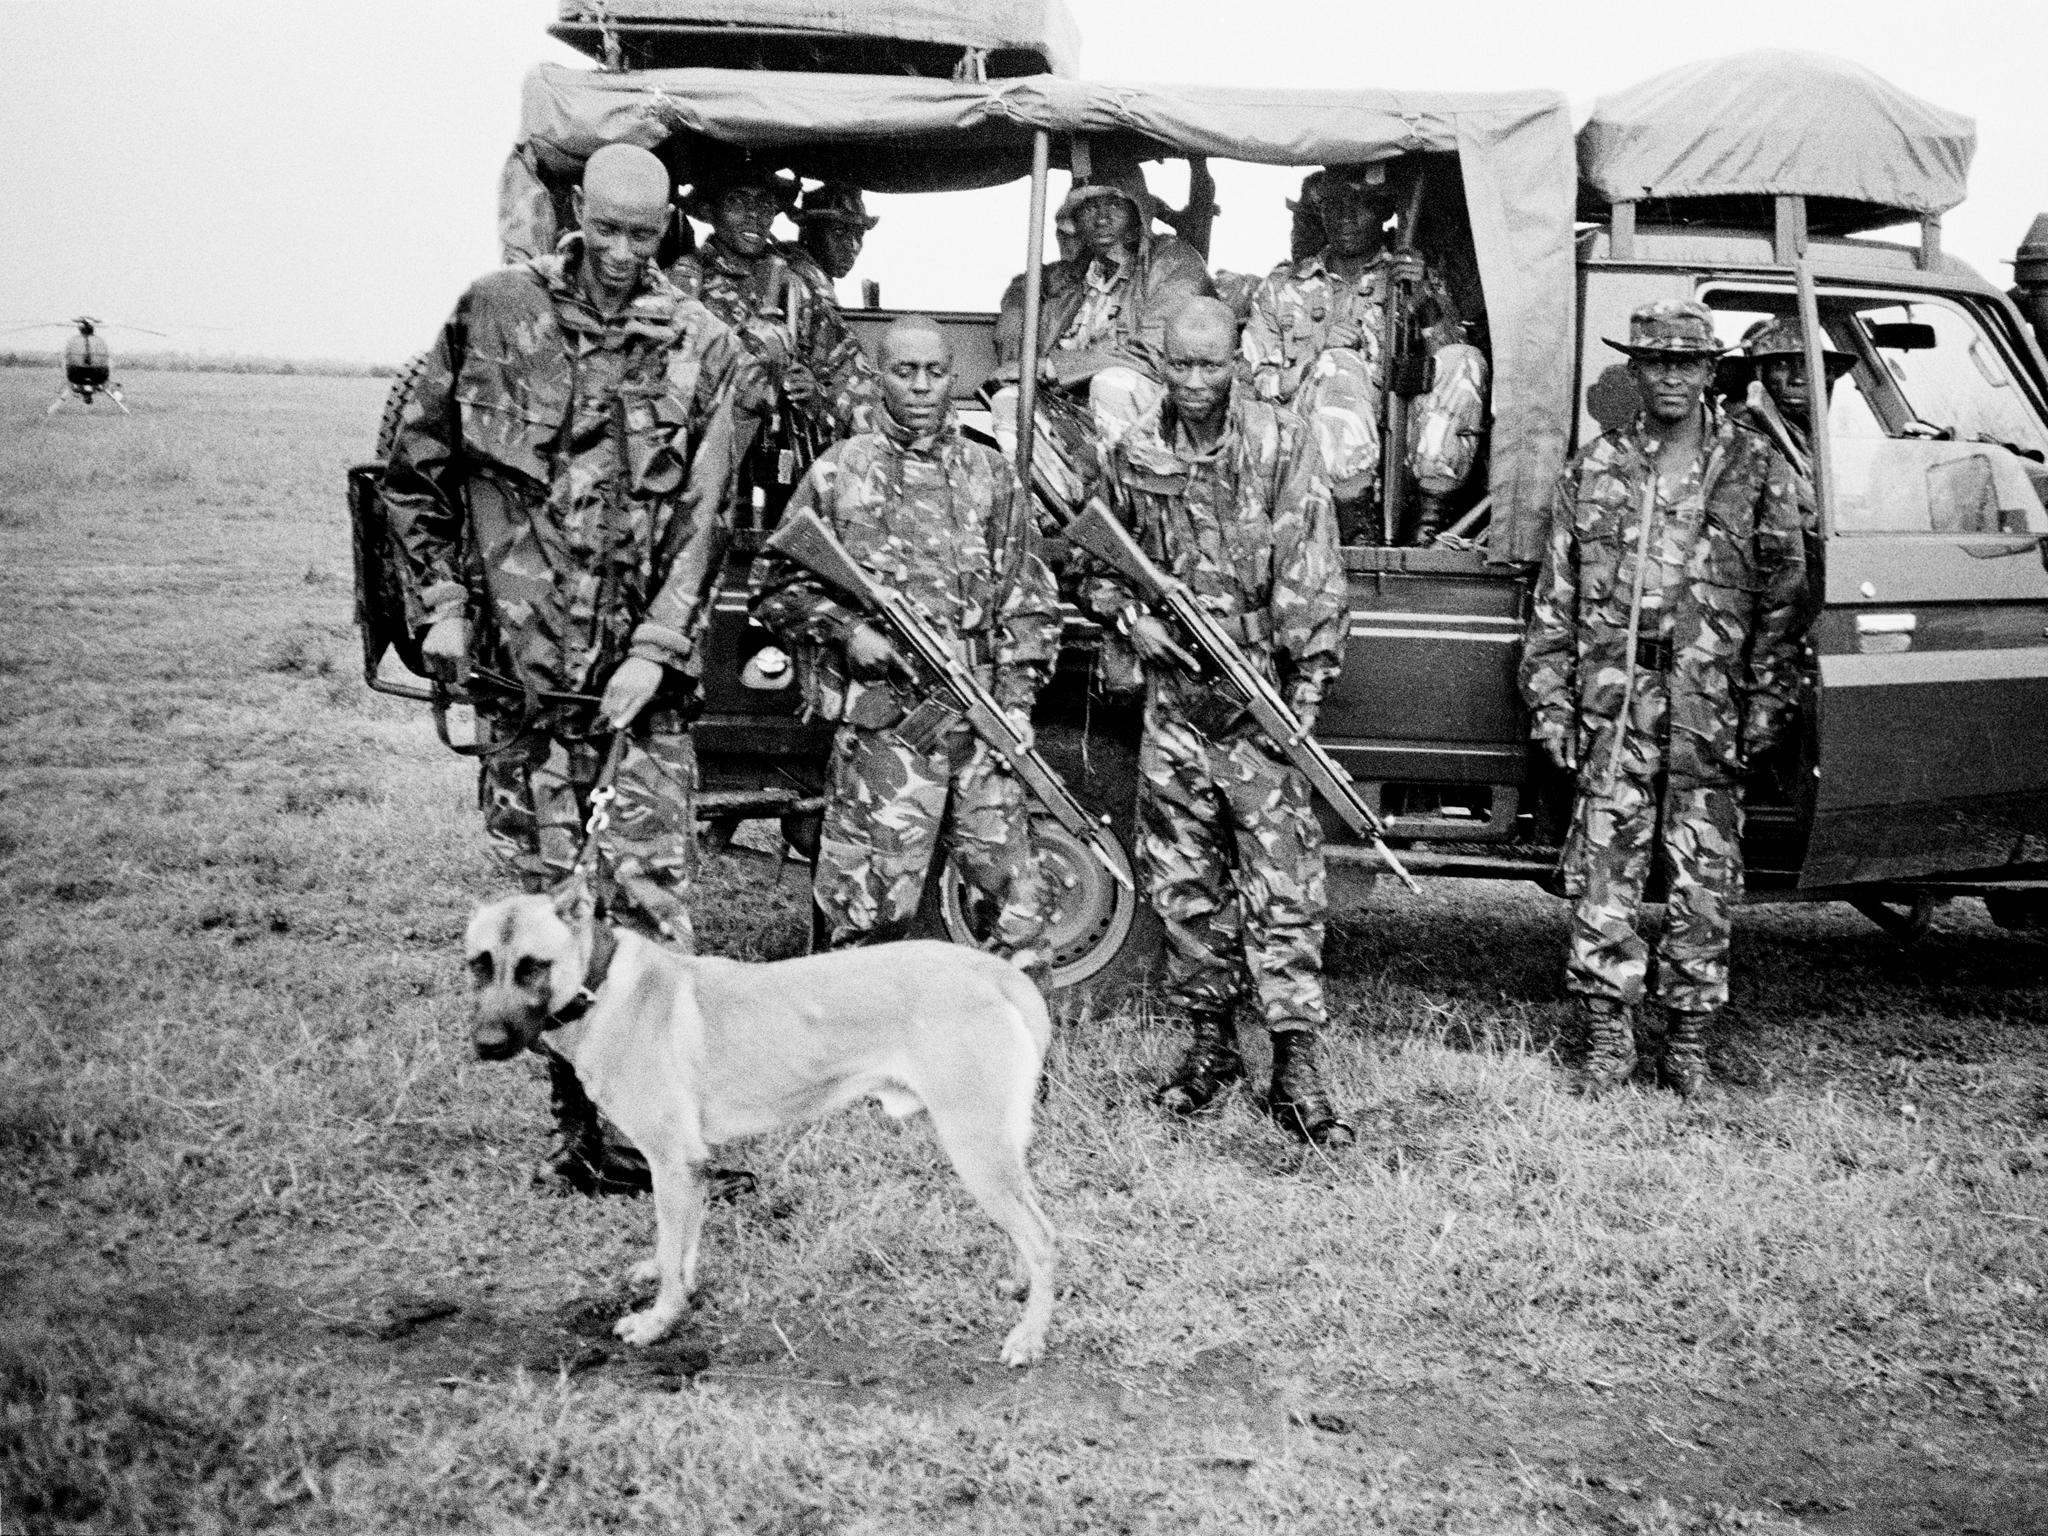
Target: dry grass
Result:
[[244, 1140]]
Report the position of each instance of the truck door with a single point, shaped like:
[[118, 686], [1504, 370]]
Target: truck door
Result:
[[1932, 643]]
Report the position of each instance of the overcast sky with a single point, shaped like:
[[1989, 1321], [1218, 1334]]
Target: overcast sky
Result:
[[319, 179]]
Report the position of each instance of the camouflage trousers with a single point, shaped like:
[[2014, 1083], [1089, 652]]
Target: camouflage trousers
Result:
[[1340, 400], [1232, 856], [885, 808], [535, 791], [1607, 860]]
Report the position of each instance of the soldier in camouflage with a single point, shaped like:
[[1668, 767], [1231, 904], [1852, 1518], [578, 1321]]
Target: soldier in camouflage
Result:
[[1662, 656], [560, 483], [1226, 492], [1101, 326], [833, 221], [1316, 342], [782, 308], [936, 516]]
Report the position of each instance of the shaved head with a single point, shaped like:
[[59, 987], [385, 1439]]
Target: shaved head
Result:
[[627, 176], [1202, 321], [623, 210], [917, 372], [1201, 357], [905, 327]]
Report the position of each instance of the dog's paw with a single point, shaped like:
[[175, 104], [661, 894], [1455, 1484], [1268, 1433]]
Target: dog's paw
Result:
[[1025, 1346], [642, 1327], [646, 1272]]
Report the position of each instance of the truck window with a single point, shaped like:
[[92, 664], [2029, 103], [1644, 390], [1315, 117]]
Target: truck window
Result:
[[1737, 311], [1913, 485], [1946, 369]]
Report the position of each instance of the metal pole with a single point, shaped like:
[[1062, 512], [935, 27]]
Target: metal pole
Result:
[[1816, 398], [1034, 266]]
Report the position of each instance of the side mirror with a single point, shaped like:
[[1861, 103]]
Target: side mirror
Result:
[[1903, 336]]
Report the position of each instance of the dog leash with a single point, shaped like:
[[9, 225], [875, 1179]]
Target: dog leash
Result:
[[600, 819]]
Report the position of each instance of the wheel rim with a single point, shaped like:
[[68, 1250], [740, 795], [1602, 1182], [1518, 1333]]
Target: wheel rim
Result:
[[1092, 911]]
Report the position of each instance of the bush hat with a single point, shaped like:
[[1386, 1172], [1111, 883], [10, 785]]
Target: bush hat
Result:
[[1783, 336], [1670, 328]]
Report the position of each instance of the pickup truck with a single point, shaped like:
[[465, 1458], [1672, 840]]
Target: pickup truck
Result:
[[1921, 770]]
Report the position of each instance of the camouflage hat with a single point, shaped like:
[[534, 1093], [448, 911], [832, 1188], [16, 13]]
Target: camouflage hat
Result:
[[1783, 336], [1125, 181], [836, 202], [1311, 189], [1670, 328], [1364, 181], [731, 171]]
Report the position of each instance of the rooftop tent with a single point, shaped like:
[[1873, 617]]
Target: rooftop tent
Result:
[[1740, 130], [903, 134], [943, 38]]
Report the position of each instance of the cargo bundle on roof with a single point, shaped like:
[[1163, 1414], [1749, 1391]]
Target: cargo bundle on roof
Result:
[[948, 39], [1773, 140]]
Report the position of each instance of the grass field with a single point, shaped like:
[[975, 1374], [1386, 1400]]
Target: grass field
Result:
[[273, 1258]]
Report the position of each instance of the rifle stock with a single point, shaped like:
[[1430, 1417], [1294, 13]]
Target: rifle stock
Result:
[[1103, 537], [805, 539]]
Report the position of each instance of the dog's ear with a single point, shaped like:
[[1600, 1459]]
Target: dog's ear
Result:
[[575, 901]]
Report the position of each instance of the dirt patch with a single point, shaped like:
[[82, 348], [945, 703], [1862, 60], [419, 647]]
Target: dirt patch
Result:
[[1944, 1459]]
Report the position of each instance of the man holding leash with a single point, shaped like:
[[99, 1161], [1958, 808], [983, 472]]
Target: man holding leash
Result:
[[1662, 657], [1226, 492], [935, 516], [561, 483]]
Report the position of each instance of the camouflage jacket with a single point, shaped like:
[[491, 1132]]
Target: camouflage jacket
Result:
[[1734, 618], [937, 518], [565, 478], [784, 309], [1249, 527], [1162, 272], [1302, 309]]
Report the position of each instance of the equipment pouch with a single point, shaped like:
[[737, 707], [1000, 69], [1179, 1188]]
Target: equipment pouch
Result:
[[927, 725]]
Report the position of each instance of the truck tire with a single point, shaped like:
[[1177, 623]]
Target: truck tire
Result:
[[1104, 936], [395, 402]]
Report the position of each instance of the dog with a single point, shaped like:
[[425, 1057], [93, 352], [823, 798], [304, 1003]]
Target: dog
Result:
[[685, 1052]]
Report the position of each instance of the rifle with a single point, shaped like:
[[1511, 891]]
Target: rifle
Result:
[[1216, 653], [805, 539], [1409, 367]]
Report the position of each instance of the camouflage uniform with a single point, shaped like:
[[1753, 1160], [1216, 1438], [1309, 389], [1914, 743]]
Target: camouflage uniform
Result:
[[936, 518], [1714, 681], [1229, 841], [784, 310], [1317, 344], [1118, 309], [562, 479]]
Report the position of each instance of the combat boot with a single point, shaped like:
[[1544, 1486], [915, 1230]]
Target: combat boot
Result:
[[1683, 1065], [1209, 1066], [1431, 519], [1608, 1029], [1298, 1100]]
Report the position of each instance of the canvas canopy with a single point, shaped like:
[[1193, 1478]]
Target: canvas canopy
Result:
[[1041, 28], [1514, 157], [1778, 123]]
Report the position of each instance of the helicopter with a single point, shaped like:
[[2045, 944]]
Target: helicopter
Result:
[[88, 365]]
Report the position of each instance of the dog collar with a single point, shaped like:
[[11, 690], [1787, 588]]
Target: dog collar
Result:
[[602, 948]]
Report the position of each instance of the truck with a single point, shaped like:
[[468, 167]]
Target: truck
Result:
[[1919, 772]]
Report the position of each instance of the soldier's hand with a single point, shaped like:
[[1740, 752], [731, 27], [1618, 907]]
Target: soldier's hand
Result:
[[1306, 714], [1151, 639], [801, 385], [1409, 266], [1565, 754], [445, 649], [1021, 718], [869, 655], [629, 690]]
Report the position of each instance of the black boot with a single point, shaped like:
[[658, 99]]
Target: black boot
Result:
[[1298, 1100], [1683, 1066], [1607, 1030], [1210, 1065], [585, 1158]]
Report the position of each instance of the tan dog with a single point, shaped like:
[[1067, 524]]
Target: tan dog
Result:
[[683, 1053]]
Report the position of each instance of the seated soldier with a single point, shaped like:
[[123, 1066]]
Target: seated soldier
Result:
[[1317, 341], [833, 221], [783, 308], [1101, 321]]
